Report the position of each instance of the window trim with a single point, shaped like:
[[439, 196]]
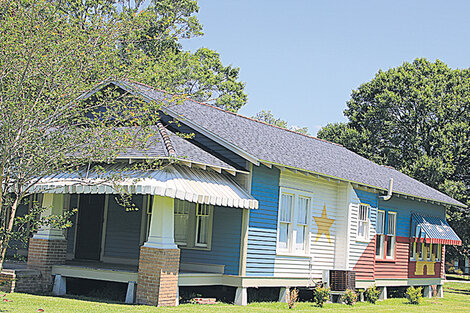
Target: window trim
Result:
[[366, 236], [394, 236], [380, 236], [291, 249], [434, 257], [383, 255], [210, 216]]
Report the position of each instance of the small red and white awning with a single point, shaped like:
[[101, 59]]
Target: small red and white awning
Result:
[[431, 229]]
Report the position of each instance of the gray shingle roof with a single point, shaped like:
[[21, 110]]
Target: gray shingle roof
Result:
[[184, 150], [287, 148]]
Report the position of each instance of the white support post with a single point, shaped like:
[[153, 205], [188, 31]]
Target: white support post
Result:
[[161, 233], [284, 294], [60, 286], [427, 291], [130, 294], [440, 291], [241, 296], [53, 204], [383, 293]]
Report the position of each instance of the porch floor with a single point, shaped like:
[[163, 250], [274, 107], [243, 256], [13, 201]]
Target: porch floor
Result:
[[124, 273]]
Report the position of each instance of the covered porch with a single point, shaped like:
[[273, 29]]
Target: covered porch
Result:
[[186, 233]]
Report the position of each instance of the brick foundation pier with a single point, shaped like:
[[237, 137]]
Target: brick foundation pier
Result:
[[157, 282]]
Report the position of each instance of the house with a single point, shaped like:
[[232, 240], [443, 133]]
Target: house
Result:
[[246, 205]]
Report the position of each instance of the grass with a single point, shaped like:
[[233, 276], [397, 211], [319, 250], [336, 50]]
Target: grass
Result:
[[458, 277], [457, 299]]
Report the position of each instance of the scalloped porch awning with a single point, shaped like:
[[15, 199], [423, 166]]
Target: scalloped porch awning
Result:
[[174, 181]]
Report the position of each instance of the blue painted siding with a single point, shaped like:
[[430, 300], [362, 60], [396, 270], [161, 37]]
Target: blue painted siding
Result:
[[262, 231], [123, 230], [226, 237], [365, 197], [404, 209]]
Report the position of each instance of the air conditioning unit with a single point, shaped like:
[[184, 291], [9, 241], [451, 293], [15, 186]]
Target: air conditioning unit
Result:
[[342, 280]]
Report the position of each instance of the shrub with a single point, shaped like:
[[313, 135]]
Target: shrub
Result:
[[293, 297], [459, 272], [414, 295], [372, 294], [321, 295], [350, 297]]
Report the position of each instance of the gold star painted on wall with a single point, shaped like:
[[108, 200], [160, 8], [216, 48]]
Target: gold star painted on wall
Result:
[[323, 223]]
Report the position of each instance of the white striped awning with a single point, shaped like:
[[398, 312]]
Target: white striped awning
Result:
[[174, 181]]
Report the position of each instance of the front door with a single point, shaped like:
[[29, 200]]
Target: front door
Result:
[[89, 227]]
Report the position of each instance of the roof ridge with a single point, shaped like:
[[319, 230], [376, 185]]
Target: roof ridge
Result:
[[166, 139], [236, 114]]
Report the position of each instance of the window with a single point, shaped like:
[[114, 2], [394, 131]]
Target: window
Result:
[[391, 234], [302, 224], [285, 220], [202, 225], [380, 241], [182, 209], [293, 227], [386, 230], [192, 224], [363, 222], [426, 252]]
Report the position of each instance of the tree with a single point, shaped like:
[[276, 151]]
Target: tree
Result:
[[151, 52], [268, 117], [416, 118], [47, 60]]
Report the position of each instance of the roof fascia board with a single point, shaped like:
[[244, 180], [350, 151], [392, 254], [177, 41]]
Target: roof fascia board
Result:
[[294, 169]]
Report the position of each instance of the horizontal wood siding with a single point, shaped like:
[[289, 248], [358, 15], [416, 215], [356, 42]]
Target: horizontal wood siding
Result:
[[326, 194], [262, 225], [362, 253], [226, 237], [123, 230], [405, 207], [398, 268]]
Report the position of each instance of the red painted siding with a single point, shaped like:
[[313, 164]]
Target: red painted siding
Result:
[[364, 267], [397, 268]]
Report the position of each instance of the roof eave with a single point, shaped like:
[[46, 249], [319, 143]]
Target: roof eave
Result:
[[185, 162], [265, 162]]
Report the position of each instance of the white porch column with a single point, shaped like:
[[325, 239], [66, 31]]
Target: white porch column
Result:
[[241, 296], [284, 294], [427, 291], [383, 293], [53, 204], [161, 232]]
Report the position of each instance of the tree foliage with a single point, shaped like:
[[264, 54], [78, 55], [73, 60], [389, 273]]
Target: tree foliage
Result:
[[416, 118], [47, 60], [151, 51], [268, 117]]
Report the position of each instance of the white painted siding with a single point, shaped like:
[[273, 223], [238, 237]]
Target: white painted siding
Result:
[[357, 247], [333, 196]]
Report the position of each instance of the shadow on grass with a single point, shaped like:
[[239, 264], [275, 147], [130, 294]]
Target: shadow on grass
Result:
[[458, 291], [90, 299]]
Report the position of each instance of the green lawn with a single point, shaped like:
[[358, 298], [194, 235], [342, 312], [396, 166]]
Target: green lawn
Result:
[[457, 299]]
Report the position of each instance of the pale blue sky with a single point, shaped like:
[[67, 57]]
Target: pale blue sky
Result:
[[301, 59]]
